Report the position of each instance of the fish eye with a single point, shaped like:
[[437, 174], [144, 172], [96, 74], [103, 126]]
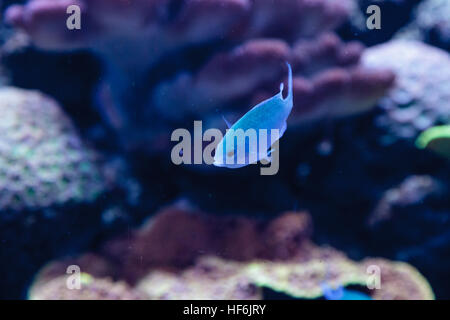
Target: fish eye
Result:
[[230, 153]]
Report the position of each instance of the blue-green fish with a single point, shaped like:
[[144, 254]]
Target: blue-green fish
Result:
[[249, 140]]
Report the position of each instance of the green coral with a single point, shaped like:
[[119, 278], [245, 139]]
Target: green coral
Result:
[[43, 162], [303, 280], [298, 272], [436, 139], [91, 288], [215, 278]]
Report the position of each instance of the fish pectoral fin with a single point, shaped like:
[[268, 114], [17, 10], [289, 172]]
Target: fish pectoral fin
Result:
[[226, 121]]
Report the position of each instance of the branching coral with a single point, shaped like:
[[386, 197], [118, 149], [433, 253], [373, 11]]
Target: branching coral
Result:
[[170, 62], [327, 79], [172, 24], [420, 98], [155, 28], [240, 59], [43, 161], [249, 255]]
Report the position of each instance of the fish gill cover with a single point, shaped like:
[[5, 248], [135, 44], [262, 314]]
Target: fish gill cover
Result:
[[86, 120]]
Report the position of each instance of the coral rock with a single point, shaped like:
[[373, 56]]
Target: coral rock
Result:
[[210, 279], [225, 77], [399, 281], [196, 234], [215, 278], [250, 41], [183, 254], [327, 80], [43, 161], [420, 98], [414, 191]]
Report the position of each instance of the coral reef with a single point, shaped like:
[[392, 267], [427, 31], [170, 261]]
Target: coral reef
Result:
[[284, 260], [196, 234], [329, 81], [51, 185], [431, 24], [51, 282], [86, 118], [174, 26], [43, 162], [140, 26], [420, 98]]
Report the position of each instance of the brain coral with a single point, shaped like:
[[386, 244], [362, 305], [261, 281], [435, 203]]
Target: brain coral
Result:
[[233, 261], [421, 97], [43, 161]]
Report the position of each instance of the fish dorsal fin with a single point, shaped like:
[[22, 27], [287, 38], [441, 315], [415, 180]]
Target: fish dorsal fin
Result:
[[226, 121], [289, 96]]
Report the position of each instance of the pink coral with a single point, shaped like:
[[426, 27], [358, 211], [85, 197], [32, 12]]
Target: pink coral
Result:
[[177, 24], [328, 80], [243, 45], [195, 234]]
